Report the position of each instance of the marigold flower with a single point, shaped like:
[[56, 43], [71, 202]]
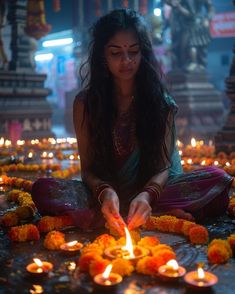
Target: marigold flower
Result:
[[86, 259], [217, 254], [122, 267], [24, 233], [222, 243], [10, 219], [149, 265], [148, 242], [54, 240], [92, 247], [198, 235], [187, 225], [231, 240], [98, 266], [105, 241], [49, 223], [165, 255], [160, 247]]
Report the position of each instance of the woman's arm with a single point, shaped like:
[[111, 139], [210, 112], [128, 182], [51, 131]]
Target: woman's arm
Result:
[[104, 193], [140, 207]]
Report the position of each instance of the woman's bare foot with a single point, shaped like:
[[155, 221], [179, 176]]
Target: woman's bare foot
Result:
[[180, 213]]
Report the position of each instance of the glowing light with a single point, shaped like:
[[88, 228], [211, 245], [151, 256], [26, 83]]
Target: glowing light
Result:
[[157, 11], [128, 247], [193, 142], [58, 42], [107, 271], [200, 273], [44, 57], [173, 263]]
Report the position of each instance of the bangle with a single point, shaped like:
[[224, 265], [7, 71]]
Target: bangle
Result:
[[100, 189], [154, 191]]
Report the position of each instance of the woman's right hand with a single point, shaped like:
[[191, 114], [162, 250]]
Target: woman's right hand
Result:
[[110, 210]]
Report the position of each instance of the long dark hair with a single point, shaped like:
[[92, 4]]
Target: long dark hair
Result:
[[151, 106]]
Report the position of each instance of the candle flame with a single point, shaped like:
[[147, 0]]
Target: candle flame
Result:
[[216, 162], [173, 263], [203, 162], [190, 161], [193, 142], [71, 157], [38, 262], [50, 155], [200, 273], [72, 266], [107, 271], [36, 289], [72, 243], [30, 155], [227, 164], [128, 246]]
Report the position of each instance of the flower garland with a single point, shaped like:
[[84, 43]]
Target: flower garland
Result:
[[219, 251], [24, 233], [50, 223], [17, 182], [231, 206], [197, 234], [53, 240], [25, 210], [28, 167], [93, 261], [62, 174]]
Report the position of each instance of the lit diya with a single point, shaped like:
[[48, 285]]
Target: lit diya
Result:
[[128, 251], [39, 268], [107, 279], [71, 248], [171, 270], [200, 279]]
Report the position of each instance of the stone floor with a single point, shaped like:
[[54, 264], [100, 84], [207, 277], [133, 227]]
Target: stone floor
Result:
[[15, 256]]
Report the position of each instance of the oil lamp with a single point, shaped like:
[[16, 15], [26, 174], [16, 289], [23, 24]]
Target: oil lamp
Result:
[[107, 279], [39, 268], [200, 279], [171, 270], [71, 248], [128, 251]]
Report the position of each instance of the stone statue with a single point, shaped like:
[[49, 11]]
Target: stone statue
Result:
[[3, 12], [190, 30]]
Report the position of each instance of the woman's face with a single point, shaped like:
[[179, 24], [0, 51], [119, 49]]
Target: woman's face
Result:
[[122, 54]]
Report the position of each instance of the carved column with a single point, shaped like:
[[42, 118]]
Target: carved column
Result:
[[225, 139], [24, 110]]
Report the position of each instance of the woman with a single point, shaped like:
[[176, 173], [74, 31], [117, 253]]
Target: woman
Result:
[[124, 122]]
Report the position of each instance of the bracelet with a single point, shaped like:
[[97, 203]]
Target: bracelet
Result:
[[154, 191], [100, 189]]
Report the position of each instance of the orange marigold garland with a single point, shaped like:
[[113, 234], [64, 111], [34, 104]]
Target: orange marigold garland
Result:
[[197, 234], [148, 242], [219, 251], [54, 240], [98, 266], [231, 240], [24, 233], [10, 219], [122, 267], [49, 223]]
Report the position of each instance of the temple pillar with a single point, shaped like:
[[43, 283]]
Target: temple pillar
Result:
[[24, 110]]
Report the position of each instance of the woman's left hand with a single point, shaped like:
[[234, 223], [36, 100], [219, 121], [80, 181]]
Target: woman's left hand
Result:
[[139, 211]]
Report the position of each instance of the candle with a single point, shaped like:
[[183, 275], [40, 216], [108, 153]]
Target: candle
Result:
[[200, 279], [171, 270], [39, 268], [71, 248], [107, 279], [128, 251]]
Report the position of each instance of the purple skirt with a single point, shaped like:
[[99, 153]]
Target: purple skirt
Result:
[[203, 193]]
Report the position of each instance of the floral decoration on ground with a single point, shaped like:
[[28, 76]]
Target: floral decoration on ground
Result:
[[197, 234]]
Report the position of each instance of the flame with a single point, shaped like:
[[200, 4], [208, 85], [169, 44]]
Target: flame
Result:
[[71, 157], [128, 246], [190, 161], [173, 263], [36, 289], [50, 155], [72, 266], [216, 162], [70, 244], [38, 262], [107, 271], [200, 273], [227, 164], [203, 162], [193, 142], [30, 155]]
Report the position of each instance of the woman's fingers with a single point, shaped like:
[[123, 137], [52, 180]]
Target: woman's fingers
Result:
[[142, 212]]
